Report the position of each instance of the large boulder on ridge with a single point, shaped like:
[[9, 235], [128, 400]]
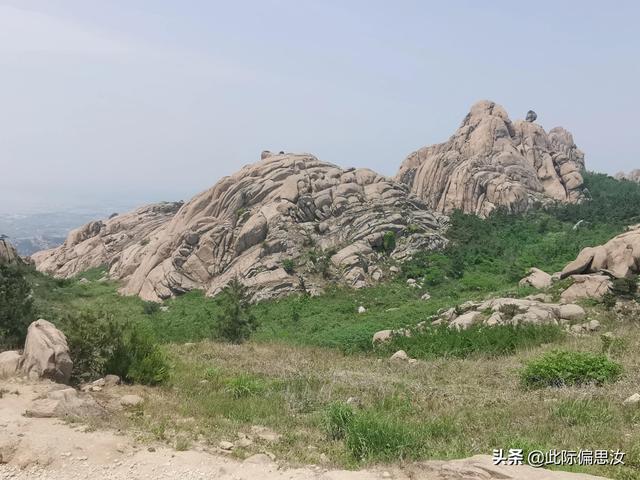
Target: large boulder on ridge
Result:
[[46, 353], [287, 223], [619, 257], [492, 162]]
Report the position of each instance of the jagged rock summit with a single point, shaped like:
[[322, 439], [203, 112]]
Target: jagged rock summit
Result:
[[493, 162], [287, 223]]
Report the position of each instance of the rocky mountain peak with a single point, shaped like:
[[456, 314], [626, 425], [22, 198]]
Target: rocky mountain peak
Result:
[[492, 162]]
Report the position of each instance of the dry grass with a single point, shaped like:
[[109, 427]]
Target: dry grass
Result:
[[465, 406]]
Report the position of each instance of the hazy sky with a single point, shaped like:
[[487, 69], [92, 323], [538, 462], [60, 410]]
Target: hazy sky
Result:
[[128, 101]]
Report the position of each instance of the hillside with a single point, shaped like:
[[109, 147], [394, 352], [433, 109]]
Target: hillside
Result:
[[292, 223], [286, 224]]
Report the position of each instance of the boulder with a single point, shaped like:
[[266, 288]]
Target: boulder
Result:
[[632, 400], [66, 402], [571, 312], [536, 279], [586, 286], [9, 363], [400, 355], [46, 353], [492, 162], [382, 336], [466, 320], [619, 257], [131, 400]]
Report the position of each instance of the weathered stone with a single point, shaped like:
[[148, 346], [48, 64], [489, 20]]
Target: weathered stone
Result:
[[466, 320], [284, 208], [382, 336], [8, 254], [400, 355], [9, 363], [586, 286], [619, 257], [66, 402], [131, 400], [537, 279], [46, 353], [571, 312], [491, 162]]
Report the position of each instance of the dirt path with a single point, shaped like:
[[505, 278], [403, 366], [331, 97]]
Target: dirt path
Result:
[[46, 448]]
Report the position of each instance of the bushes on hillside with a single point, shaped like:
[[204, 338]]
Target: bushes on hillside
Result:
[[100, 345], [16, 307]]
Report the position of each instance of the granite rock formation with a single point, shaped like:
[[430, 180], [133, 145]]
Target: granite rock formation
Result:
[[120, 239], [287, 223], [492, 162]]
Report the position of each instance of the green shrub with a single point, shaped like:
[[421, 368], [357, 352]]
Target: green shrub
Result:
[[337, 420], [150, 308], [443, 341], [288, 265], [16, 307], [608, 300], [565, 368], [389, 241], [236, 321], [141, 359], [626, 287], [371, 436], [99, 345], [93, 341], [245, 386]]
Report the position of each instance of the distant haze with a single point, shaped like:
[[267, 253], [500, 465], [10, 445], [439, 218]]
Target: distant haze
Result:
[[123, 102]]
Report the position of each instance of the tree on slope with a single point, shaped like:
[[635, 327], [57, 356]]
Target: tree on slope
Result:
[[236, 321]]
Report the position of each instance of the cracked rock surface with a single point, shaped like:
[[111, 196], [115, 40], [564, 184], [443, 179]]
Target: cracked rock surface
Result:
[[492, 162], [286, 223]]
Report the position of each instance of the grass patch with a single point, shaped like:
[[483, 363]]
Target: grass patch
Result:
[[579, 412], [566, 368], [477, 340]]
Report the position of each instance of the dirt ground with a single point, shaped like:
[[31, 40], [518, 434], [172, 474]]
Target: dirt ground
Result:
[[48, 448]]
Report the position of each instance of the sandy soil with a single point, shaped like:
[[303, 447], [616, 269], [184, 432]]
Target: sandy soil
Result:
[[46, 448]]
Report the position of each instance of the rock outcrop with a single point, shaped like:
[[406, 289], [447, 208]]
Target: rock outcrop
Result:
[[46, 353], [491, 162], [121, 238], [284, 224], [619, 257], [632, 176], [8, 254]]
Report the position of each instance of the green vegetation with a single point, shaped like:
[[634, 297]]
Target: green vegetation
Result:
[[16, 307], [236, 322], [389, 242], [288, 265], [101, 345], [294, 371], [566, 368], [498, 340]]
